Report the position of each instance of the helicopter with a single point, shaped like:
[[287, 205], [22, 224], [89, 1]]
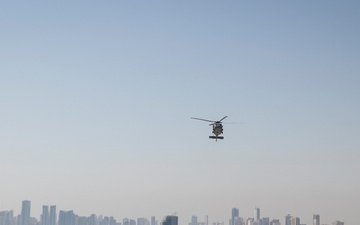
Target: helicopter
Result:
[[217, 127]]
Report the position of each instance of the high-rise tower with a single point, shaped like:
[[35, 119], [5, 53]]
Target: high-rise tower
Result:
[[316, 219], [153, 220], [25, 212], [234, 214], [45, 220], [170, 220], [256, 213], [295, 220], [287, 219], [194, 220], [66, 218], [52, 219]]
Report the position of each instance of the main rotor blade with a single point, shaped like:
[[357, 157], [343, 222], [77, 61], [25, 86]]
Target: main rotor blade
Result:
[[231, 123], [222, 118], [210, 121]]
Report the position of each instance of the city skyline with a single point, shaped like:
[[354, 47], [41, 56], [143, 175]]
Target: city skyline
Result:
[[97, 99], [65, 216]]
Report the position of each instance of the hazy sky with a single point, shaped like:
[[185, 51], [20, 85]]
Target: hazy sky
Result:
[[96, 99]]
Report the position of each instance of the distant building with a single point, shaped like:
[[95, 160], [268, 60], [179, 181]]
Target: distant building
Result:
[[52, 217], [18, 220], [153, 220], [7, 218], [295, 220], [338, 223], [239, 221], [194, 220], [105, 221], [256, 214], [92, 219], [132, 222], [143, 221], [170, 220], [234, 214], [250, 221], [275, 222], [112, 221], [25, 212], [33, 221], [316, 219], [45, 219], [265, 221], [288, 219], [66, 218], [81, 220]]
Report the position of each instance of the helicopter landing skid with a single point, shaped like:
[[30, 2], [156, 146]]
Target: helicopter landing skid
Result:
[[216, 137]]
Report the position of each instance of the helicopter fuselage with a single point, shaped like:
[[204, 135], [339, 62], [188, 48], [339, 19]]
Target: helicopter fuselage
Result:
[[217, 129]]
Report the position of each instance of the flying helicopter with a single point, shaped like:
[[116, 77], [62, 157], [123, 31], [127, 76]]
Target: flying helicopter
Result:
[[217, 127]]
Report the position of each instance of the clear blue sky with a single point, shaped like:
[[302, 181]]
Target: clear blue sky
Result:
[[96, 99]]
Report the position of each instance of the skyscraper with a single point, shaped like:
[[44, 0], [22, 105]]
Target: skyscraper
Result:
[[52, 219], [170, 220], [194, 220], [234, 214], [287, 219], [153, 220], [25, 212], [256, 213], [295, 220], [45, 220], [316, 219], [66, 218]]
